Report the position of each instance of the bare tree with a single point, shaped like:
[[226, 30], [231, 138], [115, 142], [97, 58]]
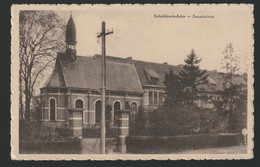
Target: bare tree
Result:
[[230, 63], [41, 36]]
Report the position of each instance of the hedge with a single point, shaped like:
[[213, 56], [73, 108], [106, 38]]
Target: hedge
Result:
[[95, 132], [171, 144], [33, 130], [49, 147]]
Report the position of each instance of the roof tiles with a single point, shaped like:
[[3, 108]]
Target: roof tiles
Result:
[[85, 72]]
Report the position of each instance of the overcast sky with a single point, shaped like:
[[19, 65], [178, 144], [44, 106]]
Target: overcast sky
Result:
[[137, 33]]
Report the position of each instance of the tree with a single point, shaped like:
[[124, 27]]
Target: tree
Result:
[[191, 76], [237, 117], [173, 89], [233, 95], [230, 63], [41, 35]]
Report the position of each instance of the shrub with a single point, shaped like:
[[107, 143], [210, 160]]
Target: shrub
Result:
[[187, 119], [49, 147], [170, 144], [29, 130], [54, 134], [32, 130], [139, 126], [95, 133]]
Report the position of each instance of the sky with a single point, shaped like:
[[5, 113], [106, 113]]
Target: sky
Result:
[[138, 34]]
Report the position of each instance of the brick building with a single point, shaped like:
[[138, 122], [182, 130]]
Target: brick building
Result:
[[76, 81]]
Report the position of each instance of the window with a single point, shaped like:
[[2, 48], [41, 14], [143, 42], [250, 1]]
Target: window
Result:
[[161, 97], [155, 98], [52, 109], [117, 107], [152, 75], [133, 108], [79, 103], [98, 111], [150, 97], [43, 111]]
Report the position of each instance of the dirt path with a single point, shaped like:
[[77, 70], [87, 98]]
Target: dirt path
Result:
[[221, 150], [90, 146]]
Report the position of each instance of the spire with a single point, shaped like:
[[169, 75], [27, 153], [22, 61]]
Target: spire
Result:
[[71, 31], [71, 52]]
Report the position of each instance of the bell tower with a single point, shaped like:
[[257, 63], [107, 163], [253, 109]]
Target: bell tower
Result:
[[71, 52]]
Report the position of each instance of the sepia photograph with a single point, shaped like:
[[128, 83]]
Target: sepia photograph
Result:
[[132, 82]]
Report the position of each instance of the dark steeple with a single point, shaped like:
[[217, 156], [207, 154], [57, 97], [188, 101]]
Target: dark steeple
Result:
[[71, 51], [71, 31]]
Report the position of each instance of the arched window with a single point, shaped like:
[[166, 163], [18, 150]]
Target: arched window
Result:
[[98, 111], [43, 111], [52, 109], [133, 109], [79, 103], [117, 107]]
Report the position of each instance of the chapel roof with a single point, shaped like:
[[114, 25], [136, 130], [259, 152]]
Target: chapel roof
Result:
[[85, 73]]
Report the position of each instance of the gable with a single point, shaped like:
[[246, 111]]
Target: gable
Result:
[[56, 78]]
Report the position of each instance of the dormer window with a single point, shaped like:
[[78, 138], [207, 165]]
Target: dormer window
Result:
[[151, 75], [212, 82]]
